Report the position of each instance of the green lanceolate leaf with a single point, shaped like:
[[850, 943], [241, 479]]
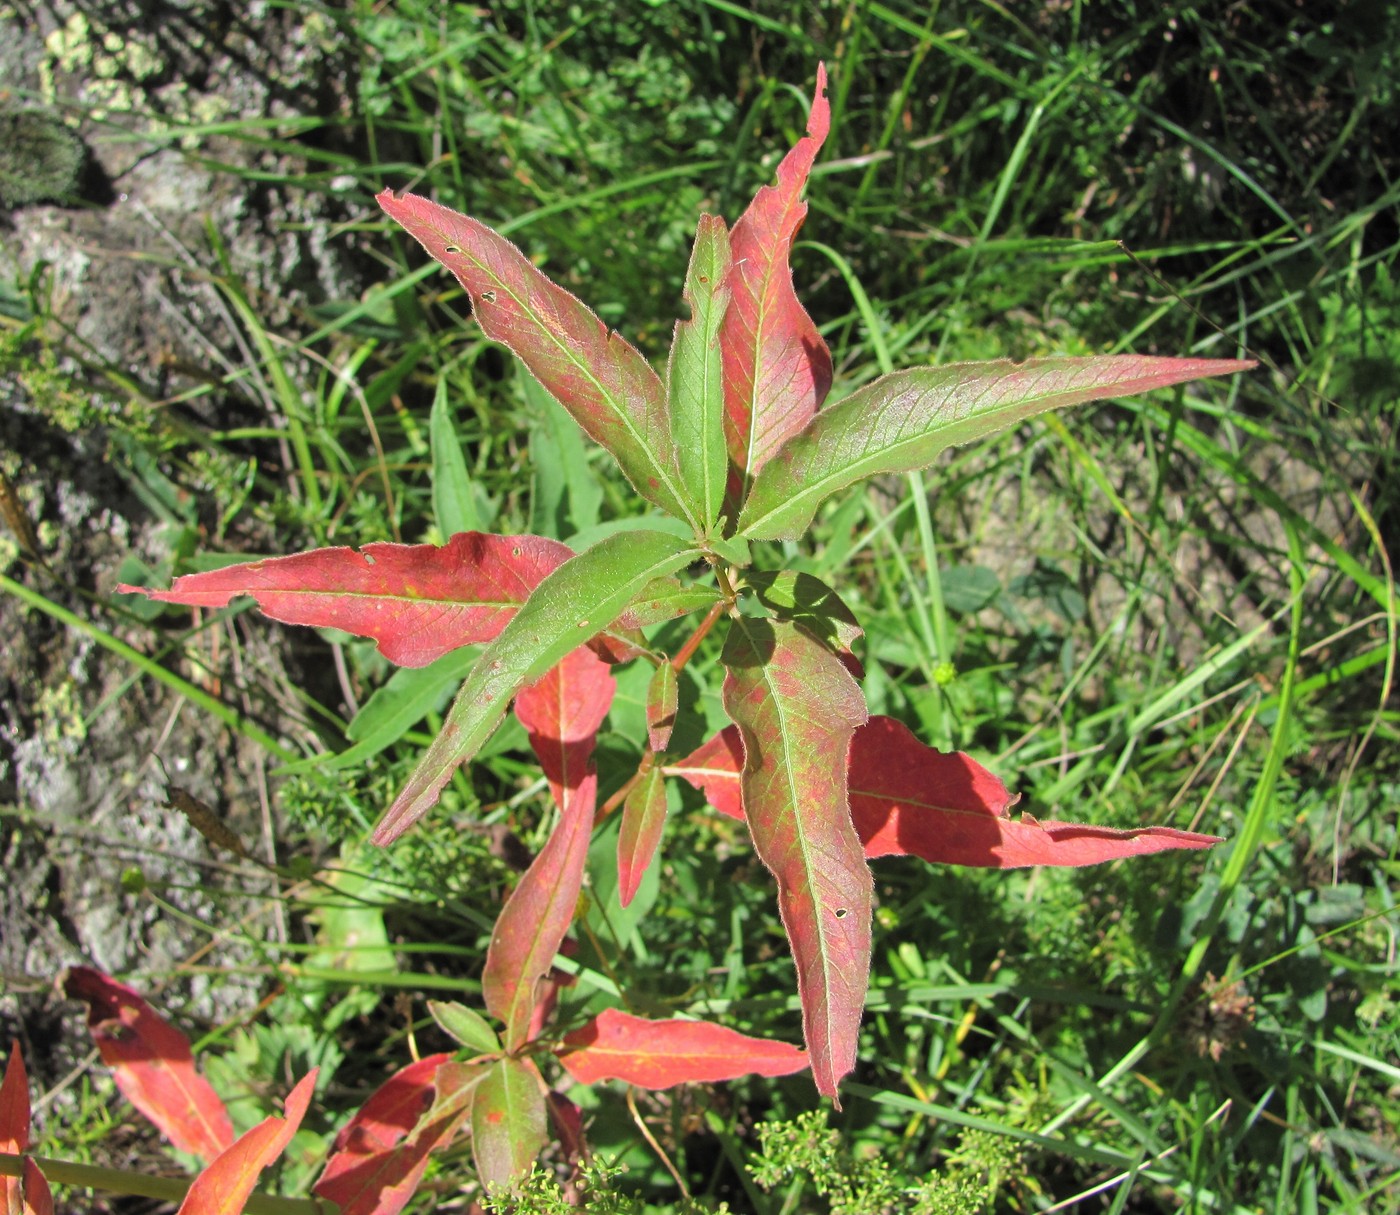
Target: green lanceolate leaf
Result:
[[903, 420], [606, 385], [468, 1027], [695, 377], [577, 601], [508, 1122], [796, 707], [643, 821]]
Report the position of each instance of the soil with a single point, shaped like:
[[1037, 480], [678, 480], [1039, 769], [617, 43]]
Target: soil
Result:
[[100, 869]]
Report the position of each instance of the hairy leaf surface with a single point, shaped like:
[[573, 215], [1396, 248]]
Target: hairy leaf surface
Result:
[[535, 918], [509, 1122], [225, 1184], [604, 383], [903, 420], [910, 799], [579, 599], [796, 707], [418, 601], [777, 368], [695, 374], [660, 1054], [152, 1064]]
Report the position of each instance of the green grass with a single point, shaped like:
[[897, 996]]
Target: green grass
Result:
[[1178, 609]]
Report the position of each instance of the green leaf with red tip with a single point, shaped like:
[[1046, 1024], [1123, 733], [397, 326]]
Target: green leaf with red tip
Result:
[[796, 707], [535, 918], [152, 1064], [643, 821], [509, 1122], [661, 1054], [608, 388], [903, 420], [27, 1194], [910, 799], [418, 601], [695, 374], [663, 701], [225, 1184], [379, 1156], [777, 368], [578, 600]]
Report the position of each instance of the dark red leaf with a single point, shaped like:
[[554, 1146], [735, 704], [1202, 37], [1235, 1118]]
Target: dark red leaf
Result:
[[659, 1054], [908, 799], [152, 1064], [380, 1154], [561, 712], [418, 601], [535, 918]]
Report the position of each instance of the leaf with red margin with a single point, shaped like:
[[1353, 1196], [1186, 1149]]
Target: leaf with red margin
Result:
[[379, 1156], [27, 1194], [777, 369], [152, 1063], [660, 1054], [902, 421], [418, 601], [509, 1122], [796, 706], [909, 799], [643, 821], [663, 701], [561, 712], [535, 918], [224, 1186], [606, 386]]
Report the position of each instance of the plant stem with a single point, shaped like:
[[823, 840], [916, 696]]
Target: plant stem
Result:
[[687, 651], [168, 1189]]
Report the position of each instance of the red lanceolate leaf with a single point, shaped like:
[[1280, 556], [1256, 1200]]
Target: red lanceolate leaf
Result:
[[659, 1054], [224, 1186], [605, 384], [663, 700], [909, 799], [561, 712], [568, 1126], [643, 820], [380, 1154], [536, 917], [418, 601], [777, 369], [27, 1194], [508, 1121], [152, 1064], [796, 707]]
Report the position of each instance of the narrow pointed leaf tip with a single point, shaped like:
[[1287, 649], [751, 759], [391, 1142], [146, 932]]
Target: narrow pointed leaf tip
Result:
[[224, 1186], [604, 383], [152, 1064], [903, 420], [27, 1194], [661, 1054], [418, 601], [777, 368]]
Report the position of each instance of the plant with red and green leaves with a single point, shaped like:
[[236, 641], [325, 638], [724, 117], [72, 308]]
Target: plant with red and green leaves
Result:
[[733, 445]]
